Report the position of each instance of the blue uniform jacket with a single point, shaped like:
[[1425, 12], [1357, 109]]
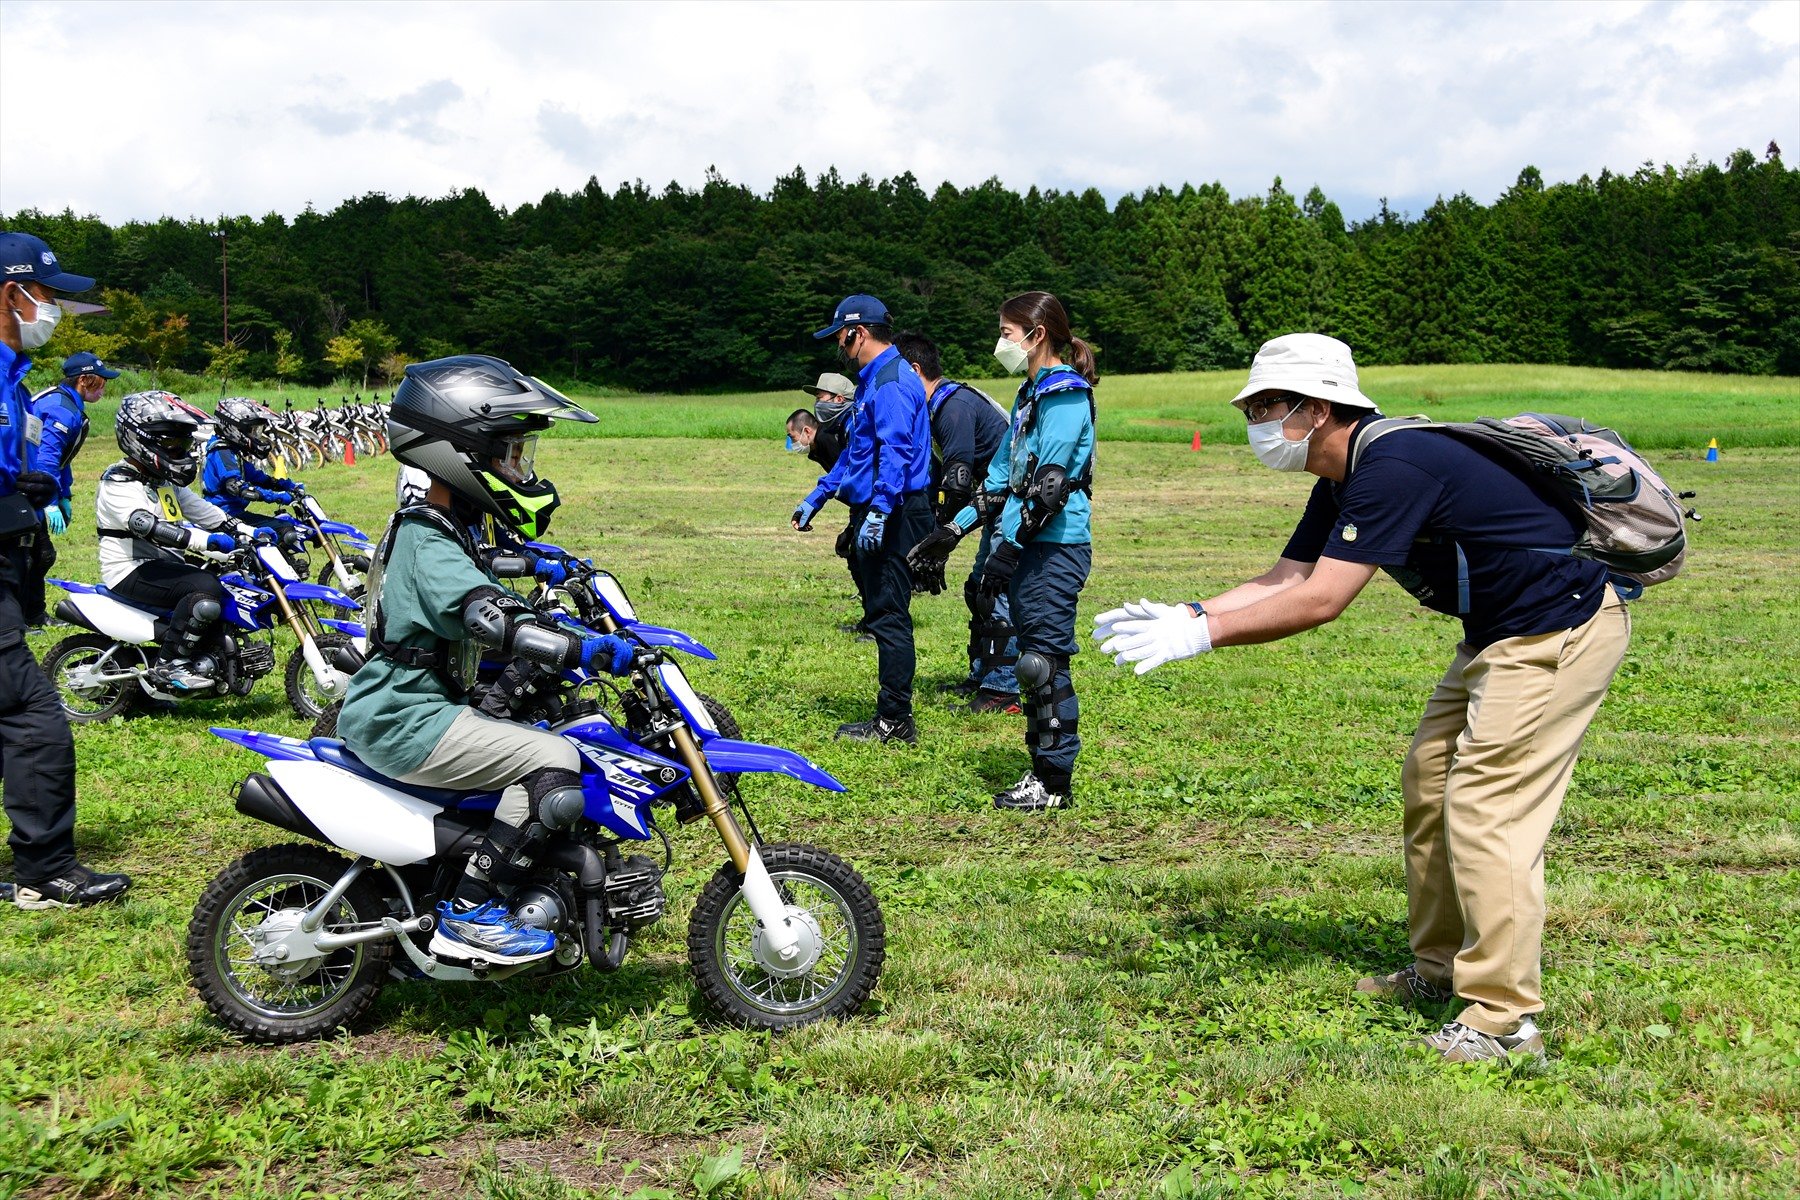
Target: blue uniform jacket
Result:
[[1058, 405], [888, 456], [231, 483], [64, 428], [15, 406]]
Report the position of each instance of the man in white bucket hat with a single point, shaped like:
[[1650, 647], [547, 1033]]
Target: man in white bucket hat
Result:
[[1543, 634]]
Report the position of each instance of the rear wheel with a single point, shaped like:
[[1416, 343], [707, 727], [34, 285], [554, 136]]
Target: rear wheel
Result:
[[256, 903], [308, 697], [326, 724], [71, 665], [843, 942]]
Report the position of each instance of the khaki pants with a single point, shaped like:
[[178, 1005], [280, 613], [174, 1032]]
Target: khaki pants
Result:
[[477, 753], [1483, 782]]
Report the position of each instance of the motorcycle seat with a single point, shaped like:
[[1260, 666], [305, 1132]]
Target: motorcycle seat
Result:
[[152, 609], [334, 752]]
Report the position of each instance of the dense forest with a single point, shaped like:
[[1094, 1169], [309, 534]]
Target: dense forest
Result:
[[1694, 268]]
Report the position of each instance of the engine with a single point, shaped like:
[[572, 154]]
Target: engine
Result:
[[634, 894]]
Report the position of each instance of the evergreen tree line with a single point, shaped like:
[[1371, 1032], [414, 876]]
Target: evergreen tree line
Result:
[[1693, 268]]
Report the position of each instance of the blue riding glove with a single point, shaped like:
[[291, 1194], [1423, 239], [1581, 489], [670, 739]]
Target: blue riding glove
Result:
[[874, 527], [608, 652], [54, 518], [550, 571], [264, 536], [223, 543]]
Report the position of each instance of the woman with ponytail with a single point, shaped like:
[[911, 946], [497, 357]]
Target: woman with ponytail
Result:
[[1039, 490]]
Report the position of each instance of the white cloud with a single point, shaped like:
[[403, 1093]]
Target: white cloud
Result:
[[203, 108]]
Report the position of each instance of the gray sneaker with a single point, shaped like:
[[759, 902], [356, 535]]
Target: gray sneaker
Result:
[[1405, 986], [1458, 1043]]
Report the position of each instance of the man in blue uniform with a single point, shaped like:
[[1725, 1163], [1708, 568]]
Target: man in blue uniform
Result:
[[1543, 634], [37, 753], [884, 475], [967, 427], [61, 412]]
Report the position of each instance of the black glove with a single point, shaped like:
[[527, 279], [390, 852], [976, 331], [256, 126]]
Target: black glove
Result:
[[933, 549], [846, 542], [37, 487], [998, 571], [928, 577]]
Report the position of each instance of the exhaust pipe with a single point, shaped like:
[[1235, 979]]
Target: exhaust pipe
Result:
[[262, 798]]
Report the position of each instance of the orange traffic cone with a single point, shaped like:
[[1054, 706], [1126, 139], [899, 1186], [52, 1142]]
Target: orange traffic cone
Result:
[[1196, 439], [349, 454]]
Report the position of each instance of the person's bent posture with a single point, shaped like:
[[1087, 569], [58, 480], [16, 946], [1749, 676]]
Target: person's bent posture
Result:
[[140, 508], [469, 424], [1544, 633]]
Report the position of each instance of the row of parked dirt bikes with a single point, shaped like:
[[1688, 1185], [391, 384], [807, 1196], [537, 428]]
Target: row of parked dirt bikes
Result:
[[294, 941]]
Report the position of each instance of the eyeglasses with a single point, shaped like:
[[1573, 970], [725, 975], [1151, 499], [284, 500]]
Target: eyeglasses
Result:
[[1257, 411]]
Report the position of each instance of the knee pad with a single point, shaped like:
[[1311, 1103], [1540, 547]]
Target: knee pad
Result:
[[1035, 671], [1040, 695], [206, 610], [556, 797]]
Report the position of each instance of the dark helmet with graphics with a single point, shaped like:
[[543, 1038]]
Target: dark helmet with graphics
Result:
[[472, 423], [243, 424], [156, 431]]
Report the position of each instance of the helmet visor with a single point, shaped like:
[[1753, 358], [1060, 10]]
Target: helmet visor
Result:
[[517, 460]]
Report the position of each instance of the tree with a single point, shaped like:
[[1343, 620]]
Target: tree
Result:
[[364, 344], [287, 363], [224, 360], [158, 339]]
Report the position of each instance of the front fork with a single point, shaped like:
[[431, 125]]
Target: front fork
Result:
[[339, 570], [306, 628], [770, 910]]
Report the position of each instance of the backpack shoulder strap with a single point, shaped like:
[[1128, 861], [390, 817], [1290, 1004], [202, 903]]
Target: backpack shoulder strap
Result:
[[1369, 434]]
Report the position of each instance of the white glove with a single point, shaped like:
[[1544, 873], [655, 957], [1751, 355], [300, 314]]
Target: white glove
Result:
[[1152, 641], [1105, 625]]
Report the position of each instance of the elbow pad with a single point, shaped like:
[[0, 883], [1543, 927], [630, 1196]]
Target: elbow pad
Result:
[[501, 620], [958, 486], [1044, 498], [147, 525], [233, 486]]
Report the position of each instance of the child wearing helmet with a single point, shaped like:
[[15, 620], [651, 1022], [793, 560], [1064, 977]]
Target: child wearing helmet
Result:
[[469, 424], [231, 479], [140, 507]]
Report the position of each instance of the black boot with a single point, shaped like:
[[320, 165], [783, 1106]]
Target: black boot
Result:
[[1032, 794], [881, 729]]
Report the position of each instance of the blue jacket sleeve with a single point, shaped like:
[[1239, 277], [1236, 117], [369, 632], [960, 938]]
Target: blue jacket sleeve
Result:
[[1056, 439], [895, 426], [53, 442], [260, 477], [15, 403]]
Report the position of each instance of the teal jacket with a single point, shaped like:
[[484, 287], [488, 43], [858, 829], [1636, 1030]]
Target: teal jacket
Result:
[[1052, 423]]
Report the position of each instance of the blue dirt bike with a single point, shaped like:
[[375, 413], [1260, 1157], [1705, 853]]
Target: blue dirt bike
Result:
[[294, 941], [103, 672]]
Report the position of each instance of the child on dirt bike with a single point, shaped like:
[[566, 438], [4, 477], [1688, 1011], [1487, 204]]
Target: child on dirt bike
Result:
[[231, 480], [140, 507], [470, 424]]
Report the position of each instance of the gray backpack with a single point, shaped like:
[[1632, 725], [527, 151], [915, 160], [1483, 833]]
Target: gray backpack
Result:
[[1634, 521]]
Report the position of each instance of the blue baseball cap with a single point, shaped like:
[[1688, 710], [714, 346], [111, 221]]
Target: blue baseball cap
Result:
[[27, 259], [856, 310], [86, 362]]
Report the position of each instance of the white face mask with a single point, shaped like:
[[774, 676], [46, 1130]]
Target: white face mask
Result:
[[35, 333], [1273, 448], [1012, 355]]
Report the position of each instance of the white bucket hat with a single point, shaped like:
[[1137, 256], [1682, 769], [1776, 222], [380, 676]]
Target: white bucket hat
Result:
[[1308, 363]]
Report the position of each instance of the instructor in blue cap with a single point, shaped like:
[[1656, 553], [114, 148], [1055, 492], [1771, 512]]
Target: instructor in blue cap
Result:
[[37, 753], [884, 475], [62, 427]]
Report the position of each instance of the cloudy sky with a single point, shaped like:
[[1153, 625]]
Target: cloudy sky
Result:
[[145, 109]]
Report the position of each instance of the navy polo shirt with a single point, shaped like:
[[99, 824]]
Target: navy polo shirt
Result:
[[1415, 497]]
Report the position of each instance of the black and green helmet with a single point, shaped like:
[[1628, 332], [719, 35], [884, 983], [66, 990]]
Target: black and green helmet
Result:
[[472, 422]]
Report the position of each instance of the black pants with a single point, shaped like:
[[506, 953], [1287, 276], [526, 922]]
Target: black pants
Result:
[[169, 585], [886, 586], [1045, 590], [37, 758]]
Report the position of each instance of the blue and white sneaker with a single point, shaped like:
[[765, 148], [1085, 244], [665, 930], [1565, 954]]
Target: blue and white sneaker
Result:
[[491, 933]]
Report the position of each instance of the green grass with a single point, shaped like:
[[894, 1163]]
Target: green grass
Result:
[[1656, 410], [1149, 995]]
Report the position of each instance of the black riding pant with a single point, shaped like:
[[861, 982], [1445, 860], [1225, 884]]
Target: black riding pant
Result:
[[1045, 590], [173, 586], [886, 586], [37, 758]]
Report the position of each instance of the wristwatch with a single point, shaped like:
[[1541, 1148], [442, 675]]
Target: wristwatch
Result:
[[1195, 607]]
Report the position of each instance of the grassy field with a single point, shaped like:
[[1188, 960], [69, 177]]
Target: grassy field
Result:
[[1149, 995], [1661, 410]]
